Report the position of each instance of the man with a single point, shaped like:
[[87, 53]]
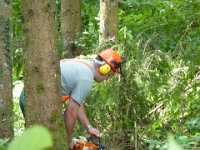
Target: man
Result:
[[77, 76]]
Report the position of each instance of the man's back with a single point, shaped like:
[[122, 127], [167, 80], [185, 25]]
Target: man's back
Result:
[[76, 78]]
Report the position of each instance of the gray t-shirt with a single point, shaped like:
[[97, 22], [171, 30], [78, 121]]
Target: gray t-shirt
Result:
[[77, 78]]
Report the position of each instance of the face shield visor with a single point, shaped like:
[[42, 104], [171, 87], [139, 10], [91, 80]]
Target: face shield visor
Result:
[[120, 66]]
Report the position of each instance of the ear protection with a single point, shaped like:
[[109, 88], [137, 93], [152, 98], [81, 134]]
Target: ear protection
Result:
[[104, 68]]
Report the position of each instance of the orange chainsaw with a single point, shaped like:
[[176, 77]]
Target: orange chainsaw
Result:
[[82, 143]]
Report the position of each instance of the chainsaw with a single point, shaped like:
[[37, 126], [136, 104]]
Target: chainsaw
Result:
[[82, 143]]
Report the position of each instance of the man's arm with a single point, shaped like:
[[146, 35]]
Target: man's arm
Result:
[[70, 118], [82, 117], [73, 112]]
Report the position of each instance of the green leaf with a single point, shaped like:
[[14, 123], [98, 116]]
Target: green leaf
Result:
[[3, 141], [172, 144], [3, 144], [34, 138]]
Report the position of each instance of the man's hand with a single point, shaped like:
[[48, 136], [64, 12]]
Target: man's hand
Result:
[[93, 131]]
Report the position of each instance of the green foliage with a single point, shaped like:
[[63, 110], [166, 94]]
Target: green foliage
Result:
[[18, 64], [164, 24], [3, 144], [159, 93], [89, 14], [90, 19], [18, 41], [34, 138], [88, 40]]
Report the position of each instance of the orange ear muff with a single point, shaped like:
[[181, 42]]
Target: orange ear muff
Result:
[[104, 69]]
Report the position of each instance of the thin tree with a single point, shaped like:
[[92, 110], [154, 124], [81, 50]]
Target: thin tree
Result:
[[41, 69], [108, 21], [70, 26], [6, 103]]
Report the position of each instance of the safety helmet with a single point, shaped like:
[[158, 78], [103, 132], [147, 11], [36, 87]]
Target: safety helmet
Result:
[[112, 58]]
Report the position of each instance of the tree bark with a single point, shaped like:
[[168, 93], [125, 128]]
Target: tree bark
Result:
[[108, 21], [6, 102], [42, 78], [70, 26]]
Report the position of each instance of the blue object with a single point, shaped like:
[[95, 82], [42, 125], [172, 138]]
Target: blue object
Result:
[[21, 102]]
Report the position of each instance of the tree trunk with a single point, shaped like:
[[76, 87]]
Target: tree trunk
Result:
[[70, 26], [6, 103], [108, 21], [42, 79]]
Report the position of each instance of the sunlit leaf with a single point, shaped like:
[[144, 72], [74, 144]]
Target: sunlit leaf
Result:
[[173, 145], [34, 138]]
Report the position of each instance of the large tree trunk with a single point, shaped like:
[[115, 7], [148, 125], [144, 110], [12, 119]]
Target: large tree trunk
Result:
[[70, 26], [108, 21], [42, 78], [6, 103]]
